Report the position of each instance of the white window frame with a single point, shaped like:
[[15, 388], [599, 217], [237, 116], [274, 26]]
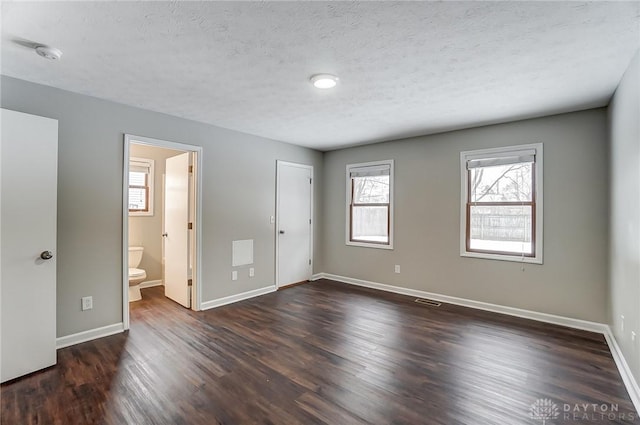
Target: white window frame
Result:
[[348, 241], [151, 181], [538, 187]]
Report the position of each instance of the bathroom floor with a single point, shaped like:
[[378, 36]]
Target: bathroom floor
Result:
[[320, 353]]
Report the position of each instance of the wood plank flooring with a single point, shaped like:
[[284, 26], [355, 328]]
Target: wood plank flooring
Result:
[[323, 353]]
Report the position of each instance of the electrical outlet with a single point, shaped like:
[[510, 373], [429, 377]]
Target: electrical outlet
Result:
[[621, 323], [272, 220], [87, 303], [234, 275], [633, 336], [397, 268], [252, 272]]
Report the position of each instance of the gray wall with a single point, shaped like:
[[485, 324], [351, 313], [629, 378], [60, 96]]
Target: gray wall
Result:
[[238, 197], [624, 115], [145, 230], [573, 279]]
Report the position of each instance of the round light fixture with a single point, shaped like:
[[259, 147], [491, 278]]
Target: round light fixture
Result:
[[324, 81], [47, 52]]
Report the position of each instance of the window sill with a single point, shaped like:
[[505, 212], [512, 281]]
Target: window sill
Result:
[[369, 245], [141, 214], [502, 257]]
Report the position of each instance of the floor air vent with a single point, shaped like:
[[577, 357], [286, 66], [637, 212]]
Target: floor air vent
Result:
[[428, 302]]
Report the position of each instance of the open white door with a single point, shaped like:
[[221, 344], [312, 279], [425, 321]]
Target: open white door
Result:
[[29, 152], [176, 233], [294, 228]]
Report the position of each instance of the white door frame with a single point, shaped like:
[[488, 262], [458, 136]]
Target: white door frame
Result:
[[279, 163], [147, 141]]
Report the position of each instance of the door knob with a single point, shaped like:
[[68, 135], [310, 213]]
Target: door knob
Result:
[[46, 255], [281, 232]]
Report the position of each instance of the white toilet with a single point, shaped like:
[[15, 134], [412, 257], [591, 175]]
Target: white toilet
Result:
[[136, 276]]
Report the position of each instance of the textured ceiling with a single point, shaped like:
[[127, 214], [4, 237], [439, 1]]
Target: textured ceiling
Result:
[[405, 68]]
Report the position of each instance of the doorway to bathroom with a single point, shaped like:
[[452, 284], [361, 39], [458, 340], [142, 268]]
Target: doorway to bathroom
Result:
[[161, 221]]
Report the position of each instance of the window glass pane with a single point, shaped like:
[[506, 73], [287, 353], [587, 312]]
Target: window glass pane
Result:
[[137, 199], [502, 183], [137, 179], [370, 224], [501, 228], [371, 190]]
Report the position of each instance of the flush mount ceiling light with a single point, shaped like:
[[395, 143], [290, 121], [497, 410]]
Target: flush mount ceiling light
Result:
[[47, 52], [324, 81]]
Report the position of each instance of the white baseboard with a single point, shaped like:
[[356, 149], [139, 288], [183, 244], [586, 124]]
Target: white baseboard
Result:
[[150, 283], [479, 305], [625, 371], [317, 276], [627, 377], [84, 336], [238, 297]]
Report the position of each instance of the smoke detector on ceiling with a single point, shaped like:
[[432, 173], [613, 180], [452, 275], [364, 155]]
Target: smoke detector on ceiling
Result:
[[48, 52]]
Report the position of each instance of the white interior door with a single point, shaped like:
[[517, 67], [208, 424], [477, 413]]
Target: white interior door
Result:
[[294, 228], [176, 233], [29, 159]]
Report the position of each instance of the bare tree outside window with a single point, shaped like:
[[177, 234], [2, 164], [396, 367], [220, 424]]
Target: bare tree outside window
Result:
[[501, 203], [500, 207], [370, 209], [502, 183]]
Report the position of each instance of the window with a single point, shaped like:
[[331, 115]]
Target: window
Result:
[[501, 211], [140, 186], [370, 204]]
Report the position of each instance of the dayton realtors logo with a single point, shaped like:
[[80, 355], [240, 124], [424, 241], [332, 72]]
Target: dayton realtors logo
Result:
[[546, 410]]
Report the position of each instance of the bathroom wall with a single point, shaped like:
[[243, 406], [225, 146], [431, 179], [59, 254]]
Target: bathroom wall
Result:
[[146, 231], [239, 194]]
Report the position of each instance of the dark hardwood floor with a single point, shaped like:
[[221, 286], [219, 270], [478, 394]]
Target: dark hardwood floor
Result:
[[323, 353]]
